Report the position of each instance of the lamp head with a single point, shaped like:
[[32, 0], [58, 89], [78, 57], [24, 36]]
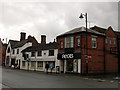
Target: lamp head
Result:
[[81, 16]]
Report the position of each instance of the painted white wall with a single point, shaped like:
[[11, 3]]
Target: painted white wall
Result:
[[15, 55], [79, 65], [45, 57], [9, 54]]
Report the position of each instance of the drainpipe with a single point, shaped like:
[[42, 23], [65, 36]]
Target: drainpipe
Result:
[[104, 56], [118, 55], [81, 54]]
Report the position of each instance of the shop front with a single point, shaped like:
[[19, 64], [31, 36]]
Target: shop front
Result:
[[71, 61]]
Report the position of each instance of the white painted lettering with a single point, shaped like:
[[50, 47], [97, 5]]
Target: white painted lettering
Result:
[[67, 56]]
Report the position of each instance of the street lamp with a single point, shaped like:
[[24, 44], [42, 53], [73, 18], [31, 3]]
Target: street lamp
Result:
[[81, 17]]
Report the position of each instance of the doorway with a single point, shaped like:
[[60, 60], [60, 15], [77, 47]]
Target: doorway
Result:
[[70, 65]]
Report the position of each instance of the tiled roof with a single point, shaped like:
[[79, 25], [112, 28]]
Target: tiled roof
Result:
[[99, 29], [16, 44], [13, 43], [21, 43], [41, 47], [117, 33], [78, 30]]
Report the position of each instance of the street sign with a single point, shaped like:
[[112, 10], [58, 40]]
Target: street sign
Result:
[[87, 57]]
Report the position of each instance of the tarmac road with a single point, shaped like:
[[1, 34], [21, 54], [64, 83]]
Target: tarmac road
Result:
[[14, 78]]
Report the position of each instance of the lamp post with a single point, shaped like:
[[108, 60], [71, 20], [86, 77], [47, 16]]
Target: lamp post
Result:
[[86, 56]]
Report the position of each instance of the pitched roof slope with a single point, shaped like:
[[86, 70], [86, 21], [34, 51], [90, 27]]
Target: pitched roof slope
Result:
[[117, 33], [17, 44], [99, 29], [21, 43], [78, 30], [41, 47], [13, 43]]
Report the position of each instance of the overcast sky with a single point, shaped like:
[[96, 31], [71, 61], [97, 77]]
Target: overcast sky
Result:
[[53, 18]]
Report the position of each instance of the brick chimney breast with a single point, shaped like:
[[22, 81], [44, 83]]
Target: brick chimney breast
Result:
[[23, 36], [43, 39]]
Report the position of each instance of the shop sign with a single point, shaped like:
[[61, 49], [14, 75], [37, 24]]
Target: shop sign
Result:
[[67, 56]]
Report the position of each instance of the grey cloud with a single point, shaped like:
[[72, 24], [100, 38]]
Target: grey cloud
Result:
[[53, 18]]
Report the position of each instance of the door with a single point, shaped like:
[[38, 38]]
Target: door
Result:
[[12, 62], [75, 64], [70, 65]]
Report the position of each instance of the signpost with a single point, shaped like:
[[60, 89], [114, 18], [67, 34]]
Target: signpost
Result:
[[86, 61]]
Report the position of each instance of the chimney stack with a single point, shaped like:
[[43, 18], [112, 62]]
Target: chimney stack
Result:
[[43, 39], [23, 35]]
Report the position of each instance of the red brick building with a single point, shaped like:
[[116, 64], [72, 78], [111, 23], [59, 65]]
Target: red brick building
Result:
[[2, 52], [118, 45], [96, 55], [111, 49], [79, 62], [4, 47]]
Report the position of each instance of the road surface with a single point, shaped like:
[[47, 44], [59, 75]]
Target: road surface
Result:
[[13, 78]]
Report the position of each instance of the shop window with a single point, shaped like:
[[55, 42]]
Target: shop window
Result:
[[40, 64], [51, 52], [94, 42], [78, 41], [61, 44], [32, 54], [33, 64], [52, 62], [8, 51], [17, 51], [39, 53], [13, 52], [23, 63], [69, 42]]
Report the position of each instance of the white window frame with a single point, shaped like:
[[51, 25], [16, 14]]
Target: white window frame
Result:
[[110, 41], [78, 41], [61, 44], [94, 42], [69, 42]]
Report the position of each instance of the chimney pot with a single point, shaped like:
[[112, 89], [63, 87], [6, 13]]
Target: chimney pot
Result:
[[23, 36], [43, 39]]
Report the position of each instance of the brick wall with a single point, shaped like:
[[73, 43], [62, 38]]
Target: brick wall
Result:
[[96, 60], [101, 60], [111, 60]]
